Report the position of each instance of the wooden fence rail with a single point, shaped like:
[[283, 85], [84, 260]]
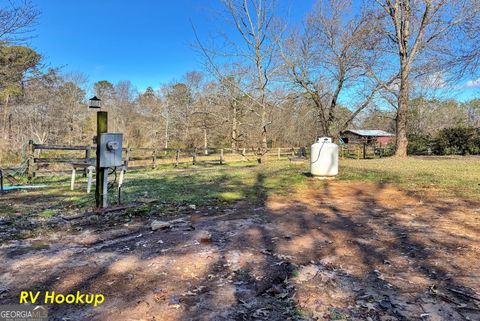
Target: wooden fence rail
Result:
[[142, 157]]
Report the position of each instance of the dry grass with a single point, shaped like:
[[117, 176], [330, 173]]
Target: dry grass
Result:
[[448, 176]]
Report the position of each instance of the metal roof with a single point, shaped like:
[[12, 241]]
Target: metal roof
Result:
[[371, 132]]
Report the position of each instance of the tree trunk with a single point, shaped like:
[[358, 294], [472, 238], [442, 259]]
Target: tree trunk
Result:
[[234, 126], [5, 114], [324, 128], [10, 132], [205, 141], [401, 119], [166, 133], [264, 130]]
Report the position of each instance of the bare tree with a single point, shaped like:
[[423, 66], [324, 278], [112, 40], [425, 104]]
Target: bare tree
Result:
[[166, 113], [17, 19], [16, 65], [327, 58], [235, 100], [70, 97], [149, 107], [234, 104], [253, 20], [419, 33], [179, 101], [469, 44]]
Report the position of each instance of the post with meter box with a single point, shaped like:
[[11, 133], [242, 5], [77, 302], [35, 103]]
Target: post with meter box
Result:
[[109, 153], [109, 156]]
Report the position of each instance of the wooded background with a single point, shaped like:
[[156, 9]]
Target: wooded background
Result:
[[387, 66]]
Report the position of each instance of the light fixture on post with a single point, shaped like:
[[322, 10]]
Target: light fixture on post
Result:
[[95, 103]]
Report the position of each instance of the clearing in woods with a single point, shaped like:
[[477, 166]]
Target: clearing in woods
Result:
[[388, 240]]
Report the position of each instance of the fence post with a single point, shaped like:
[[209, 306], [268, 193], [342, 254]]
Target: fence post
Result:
[[30, 160], [293, 151], [154, 158], [221, 156], [358, 151], [72, 181], [278, 153], [89, 177], [177, 156], [127, 156], [194, 156], [88, 153]]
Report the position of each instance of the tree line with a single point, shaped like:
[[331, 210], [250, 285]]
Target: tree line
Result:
[[265, 82]]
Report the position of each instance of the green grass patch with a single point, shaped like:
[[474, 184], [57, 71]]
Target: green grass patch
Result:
[[231, 196], [450, 176], [218, 185], [47, 213]]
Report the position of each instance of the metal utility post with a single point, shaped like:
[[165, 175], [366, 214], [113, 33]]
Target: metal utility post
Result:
[[101, 173]]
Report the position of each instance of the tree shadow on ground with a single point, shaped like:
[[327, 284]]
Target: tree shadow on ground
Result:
[[335, 251]]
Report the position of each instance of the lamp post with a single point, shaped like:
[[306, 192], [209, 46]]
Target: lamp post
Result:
[[100, 173], [95, 103]]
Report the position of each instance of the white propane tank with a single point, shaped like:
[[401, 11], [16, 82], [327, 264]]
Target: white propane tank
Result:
[[324, 158]]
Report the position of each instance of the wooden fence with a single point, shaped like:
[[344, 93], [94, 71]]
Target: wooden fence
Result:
[[49, 159]]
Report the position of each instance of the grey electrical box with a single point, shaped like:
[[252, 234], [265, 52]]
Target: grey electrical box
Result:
[[110, 150]]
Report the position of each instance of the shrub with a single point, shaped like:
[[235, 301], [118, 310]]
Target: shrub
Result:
[[457, 141], [419, 144]]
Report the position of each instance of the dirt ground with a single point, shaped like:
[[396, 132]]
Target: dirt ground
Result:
[[346, 251]]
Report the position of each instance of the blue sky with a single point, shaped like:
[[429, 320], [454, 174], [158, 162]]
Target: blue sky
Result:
[[148, 42], [145, 41]]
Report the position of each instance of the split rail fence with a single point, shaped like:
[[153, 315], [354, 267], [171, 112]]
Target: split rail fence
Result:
[[55, 159]]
